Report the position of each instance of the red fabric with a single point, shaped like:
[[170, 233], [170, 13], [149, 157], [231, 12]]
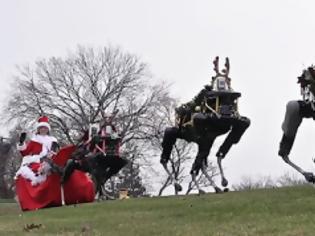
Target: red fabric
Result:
[[32, 148], [43, 119], [78, 189]]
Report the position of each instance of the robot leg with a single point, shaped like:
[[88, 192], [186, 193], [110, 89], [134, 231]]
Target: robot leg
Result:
[[70, 166], [204, 147], [239, 127], [169, 139], [290, 125]]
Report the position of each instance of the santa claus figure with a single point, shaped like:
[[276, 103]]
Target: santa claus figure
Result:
[[33, 167], [37, 183]]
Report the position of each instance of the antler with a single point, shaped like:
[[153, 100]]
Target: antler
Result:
[[216, 65], [226, 71]]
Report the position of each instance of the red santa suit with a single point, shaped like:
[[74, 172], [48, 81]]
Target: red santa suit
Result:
[[32, 152], [37, 187]]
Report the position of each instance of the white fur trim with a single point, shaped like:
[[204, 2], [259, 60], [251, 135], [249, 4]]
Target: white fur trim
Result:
[[114, 135], [45, 140], [108, 129], [21, 147], [27, 173], [42, 124], [31, 159], [44, 169]]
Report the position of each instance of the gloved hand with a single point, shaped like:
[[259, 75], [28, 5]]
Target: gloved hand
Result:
[[22, 137], [55, 147]]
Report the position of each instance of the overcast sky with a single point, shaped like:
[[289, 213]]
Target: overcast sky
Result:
[[269, 42]]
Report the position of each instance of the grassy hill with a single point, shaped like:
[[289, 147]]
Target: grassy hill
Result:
[[284, 211]]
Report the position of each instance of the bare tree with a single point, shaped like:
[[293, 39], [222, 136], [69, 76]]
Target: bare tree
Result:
[[179, 159], [4, 154], [248, 183], [130, 177], [79, 89], [289, 179], [202, 180], [10, 162], [157, 122], [183, 152]]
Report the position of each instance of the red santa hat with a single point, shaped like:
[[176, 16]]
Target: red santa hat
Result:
[[43, 122]]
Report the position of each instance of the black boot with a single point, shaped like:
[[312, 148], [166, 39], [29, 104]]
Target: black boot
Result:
[[286, 144], [67, 171]]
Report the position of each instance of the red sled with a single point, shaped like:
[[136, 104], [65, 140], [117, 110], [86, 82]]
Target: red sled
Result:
[[78, 189]]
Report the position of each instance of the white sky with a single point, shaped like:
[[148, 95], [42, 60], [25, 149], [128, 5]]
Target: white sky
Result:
[[269, 42]]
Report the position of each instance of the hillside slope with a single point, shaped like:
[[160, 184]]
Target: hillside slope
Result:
[[284, 211]]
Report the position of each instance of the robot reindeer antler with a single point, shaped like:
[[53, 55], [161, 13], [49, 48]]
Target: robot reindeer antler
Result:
[[224, 72], [216, 66]]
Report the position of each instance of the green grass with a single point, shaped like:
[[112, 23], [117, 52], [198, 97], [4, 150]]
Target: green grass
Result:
[[285, 211]]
